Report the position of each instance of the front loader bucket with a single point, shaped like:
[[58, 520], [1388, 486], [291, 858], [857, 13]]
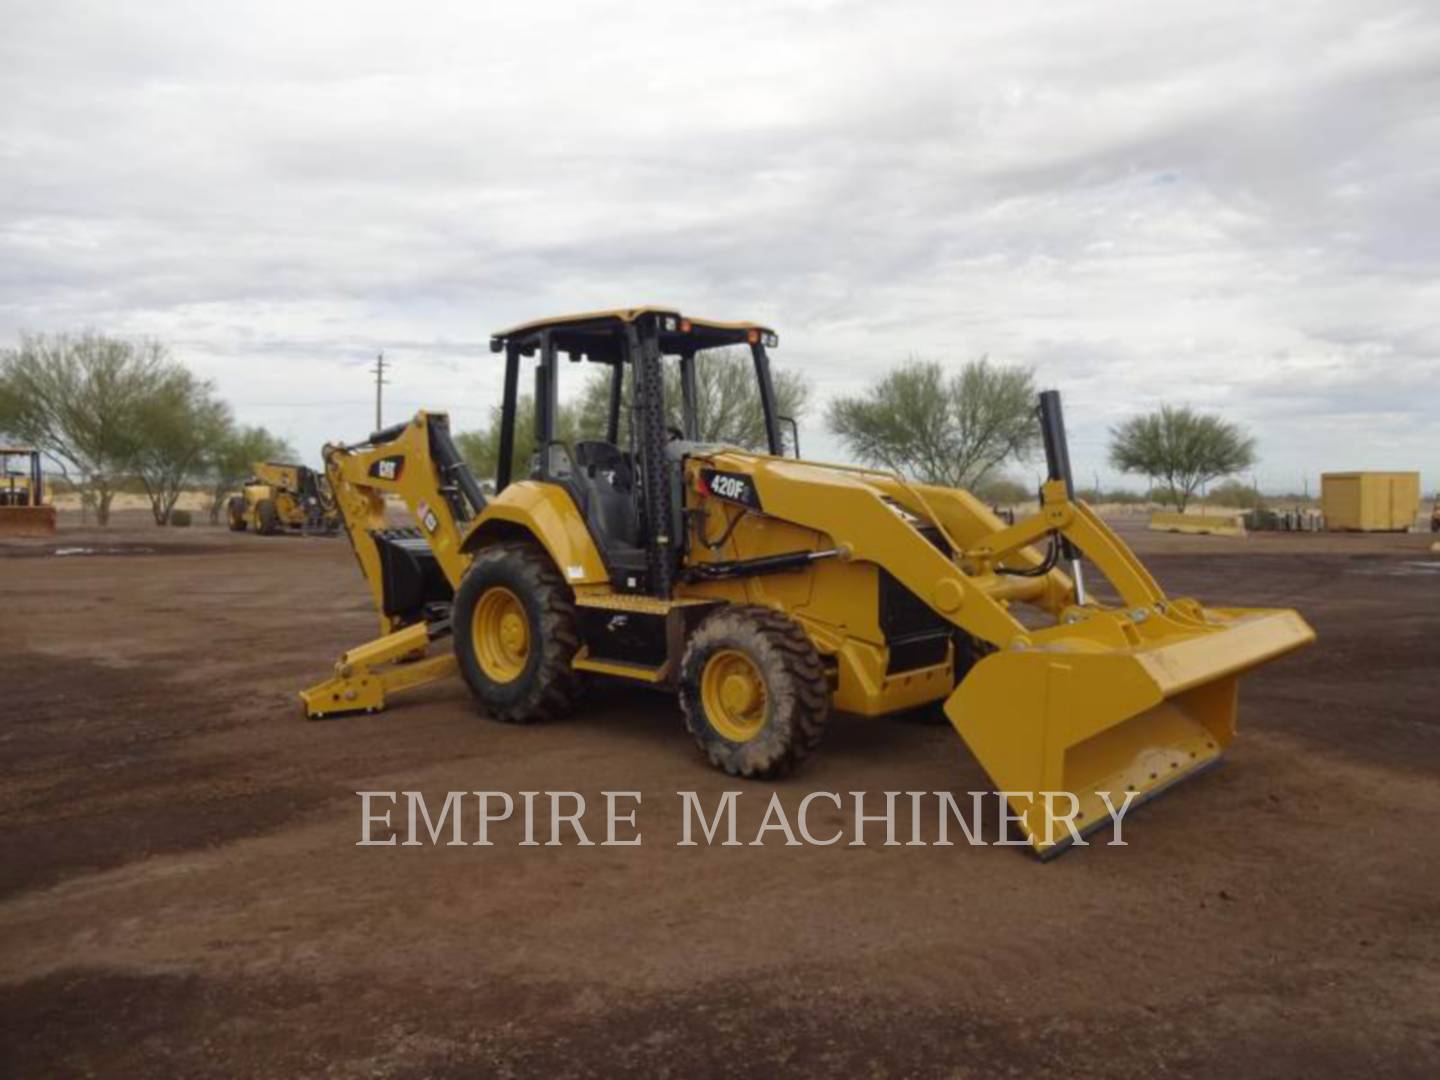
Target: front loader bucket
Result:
[[1074, 716]]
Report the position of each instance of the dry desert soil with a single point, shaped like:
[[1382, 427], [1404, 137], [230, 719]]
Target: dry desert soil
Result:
[[181, 893]]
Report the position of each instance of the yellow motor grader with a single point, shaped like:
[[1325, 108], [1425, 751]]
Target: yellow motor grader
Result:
[[768, 592], [279, 497]]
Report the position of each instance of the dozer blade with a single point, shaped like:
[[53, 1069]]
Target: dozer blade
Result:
[[27, 521], [1078, 717]]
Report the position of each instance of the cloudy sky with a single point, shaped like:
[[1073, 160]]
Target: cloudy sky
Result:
[[1145, 202]]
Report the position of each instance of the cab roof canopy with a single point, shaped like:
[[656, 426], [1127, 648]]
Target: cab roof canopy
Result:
[[594, 334]]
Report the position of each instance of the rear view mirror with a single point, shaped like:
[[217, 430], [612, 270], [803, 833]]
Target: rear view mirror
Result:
[[794, 432]]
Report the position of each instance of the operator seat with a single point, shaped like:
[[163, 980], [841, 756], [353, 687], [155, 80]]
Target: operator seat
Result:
[[608, 476]]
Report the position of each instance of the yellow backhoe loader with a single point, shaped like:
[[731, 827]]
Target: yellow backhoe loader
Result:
[[768, 591], [279, 497], [23, 508]]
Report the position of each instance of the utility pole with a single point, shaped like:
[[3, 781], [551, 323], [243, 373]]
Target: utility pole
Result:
[[380, 381]]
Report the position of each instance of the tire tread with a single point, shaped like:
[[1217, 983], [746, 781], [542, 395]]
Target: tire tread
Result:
[[789, 662], [554, 685]]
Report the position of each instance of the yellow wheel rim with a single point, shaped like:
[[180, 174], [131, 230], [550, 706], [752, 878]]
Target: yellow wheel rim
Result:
[[500, 634], [733, 693]]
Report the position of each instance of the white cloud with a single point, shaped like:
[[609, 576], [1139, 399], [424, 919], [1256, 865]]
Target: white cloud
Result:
[[1211, 202]]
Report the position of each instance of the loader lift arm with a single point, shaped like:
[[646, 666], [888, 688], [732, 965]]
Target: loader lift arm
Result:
[[1094, 701], [412, 572]]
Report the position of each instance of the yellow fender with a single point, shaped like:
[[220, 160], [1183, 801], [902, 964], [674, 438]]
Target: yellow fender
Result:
[[547, 514]]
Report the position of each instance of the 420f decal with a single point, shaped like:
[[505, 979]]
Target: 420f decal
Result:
[[733, 487]]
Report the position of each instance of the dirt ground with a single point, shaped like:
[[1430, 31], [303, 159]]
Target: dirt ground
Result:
[[181, 894]]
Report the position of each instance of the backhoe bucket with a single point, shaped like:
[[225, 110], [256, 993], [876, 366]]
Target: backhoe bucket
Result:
[[1063, 725]]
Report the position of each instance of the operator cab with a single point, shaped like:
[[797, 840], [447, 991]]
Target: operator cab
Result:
[[21, 480], [625, 479]]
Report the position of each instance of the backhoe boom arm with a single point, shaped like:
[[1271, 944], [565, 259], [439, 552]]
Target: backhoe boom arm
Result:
[[412, 572]]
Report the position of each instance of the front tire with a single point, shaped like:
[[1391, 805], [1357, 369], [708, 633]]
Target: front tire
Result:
[[754, 692], [235, 513], [515, 634], [267, 517]]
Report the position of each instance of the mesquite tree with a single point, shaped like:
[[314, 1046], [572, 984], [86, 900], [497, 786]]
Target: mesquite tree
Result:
[[178, 426], [953, 431], [1181, 448], [78, 398], [727, 399]]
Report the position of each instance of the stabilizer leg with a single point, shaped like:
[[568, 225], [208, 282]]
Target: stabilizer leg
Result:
[[366, 674]]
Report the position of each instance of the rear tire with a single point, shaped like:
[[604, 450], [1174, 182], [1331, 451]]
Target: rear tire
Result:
[[754, 692], [267, 517], [515, 634], [235, 513]]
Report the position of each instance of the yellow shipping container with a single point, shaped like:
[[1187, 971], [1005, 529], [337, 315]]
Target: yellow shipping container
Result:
[[1369, 501]]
